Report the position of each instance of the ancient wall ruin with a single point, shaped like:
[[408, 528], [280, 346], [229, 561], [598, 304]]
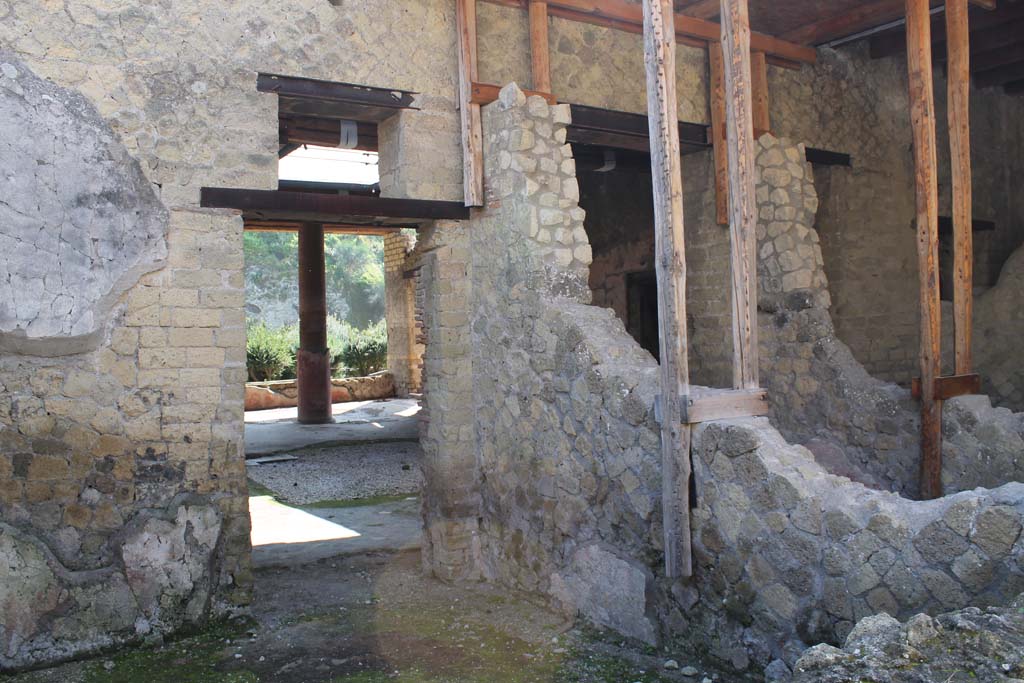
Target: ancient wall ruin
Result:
[[566, 480]]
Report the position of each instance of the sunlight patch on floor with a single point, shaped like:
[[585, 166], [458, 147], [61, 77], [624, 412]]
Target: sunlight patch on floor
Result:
[[273, 523]]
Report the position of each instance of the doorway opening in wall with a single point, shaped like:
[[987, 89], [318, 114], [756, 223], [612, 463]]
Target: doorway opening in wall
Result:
[[332, 444]]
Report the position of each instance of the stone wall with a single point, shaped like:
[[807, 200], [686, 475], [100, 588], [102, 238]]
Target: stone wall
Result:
[[122, 483], [405, 352], [563, 479], [853, 104]]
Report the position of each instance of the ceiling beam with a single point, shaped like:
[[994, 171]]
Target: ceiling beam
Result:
[[1000, 76], [991, 59], [895, 42], [703, 9], [627, 16]]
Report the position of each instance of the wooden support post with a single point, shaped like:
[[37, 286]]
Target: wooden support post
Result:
[[742, 205], [666, 175], [313, 361], [718, 135], [539, 52], [959, 65], [469, 113], [759, 92], [922, 114]]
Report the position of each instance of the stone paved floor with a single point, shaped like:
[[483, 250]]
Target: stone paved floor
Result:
[[374, 618], [276, 431]]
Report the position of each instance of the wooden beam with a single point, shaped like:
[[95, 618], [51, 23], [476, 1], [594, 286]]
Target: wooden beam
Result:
[[922, 116], [485, 93], [724, 404], [628, 16], [995, 57], [759, 92], [949, 387], [895, 42], [540, 56], [469, 112], [703, 9], [718, 135], [1000, 75], [329, 228], [667, 181], [958, 46], [310, 207], [742, 204]]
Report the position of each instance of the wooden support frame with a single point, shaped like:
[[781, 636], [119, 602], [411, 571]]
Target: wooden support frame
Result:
[[667, 181], [958, 50], [540, 56], [485, 93], [922, 114], [716, 80], [742, 205], [723, 404], [949, 387], [469, 112], [761, 100]]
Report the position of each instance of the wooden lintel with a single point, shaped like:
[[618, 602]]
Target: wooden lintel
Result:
[[724, 404], [485, 93], [627, 16], [469, 111], [759, 92], [329, 228], [949, 387], [540, 58], [703, 9], [670, 263], [326, 208]]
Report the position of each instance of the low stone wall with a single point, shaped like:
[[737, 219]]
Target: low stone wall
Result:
[[557, 458], [285, 393]]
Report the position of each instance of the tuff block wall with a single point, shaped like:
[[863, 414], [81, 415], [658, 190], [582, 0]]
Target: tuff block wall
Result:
[[405, 352]]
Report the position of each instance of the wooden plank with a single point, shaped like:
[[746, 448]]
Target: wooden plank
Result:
[[329, 228], [958, 45], [540, 56], [302, 206], [922, 115], [759, 92], [718, 135], [629, 16], [742, 204], [595, 118], [469, 112], [724, 404], [949, 387], [485, 93], [667, 181], [311, 88]]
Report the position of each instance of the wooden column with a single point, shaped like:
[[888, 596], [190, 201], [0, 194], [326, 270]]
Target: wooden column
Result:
[[742, 200], [759, 92], [313, 362], [539, 51], [922, 114], [666, 174], [469, 113], [718, 135], [959, 67]]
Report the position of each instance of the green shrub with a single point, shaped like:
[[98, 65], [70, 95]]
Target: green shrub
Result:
[[266, 353], [364, 352]]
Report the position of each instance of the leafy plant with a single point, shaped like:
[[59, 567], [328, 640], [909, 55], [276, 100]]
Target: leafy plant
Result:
[[266, 353], [365, 352]]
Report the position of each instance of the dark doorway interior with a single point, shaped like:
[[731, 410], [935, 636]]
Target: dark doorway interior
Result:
[[642, 305]]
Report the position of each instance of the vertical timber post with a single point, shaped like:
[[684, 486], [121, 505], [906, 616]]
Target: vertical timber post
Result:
[[666, 172], [469, 113], [540, 56], [719, 143], [761, 101], [922, 114], [742, 203], [959, 65], [313, 363]]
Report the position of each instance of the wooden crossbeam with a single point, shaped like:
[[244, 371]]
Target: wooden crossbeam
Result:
[[922, 116], [895, 42], [703, 9], [329, 228], [761, 102], [485, 93], [670, 261], [716, 83], [949, 387], [1000, 75], [628, 16], [469, 111], [724, 404]]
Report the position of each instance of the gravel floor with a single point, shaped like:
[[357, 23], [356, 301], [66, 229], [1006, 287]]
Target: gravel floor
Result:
[[343, 473]]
